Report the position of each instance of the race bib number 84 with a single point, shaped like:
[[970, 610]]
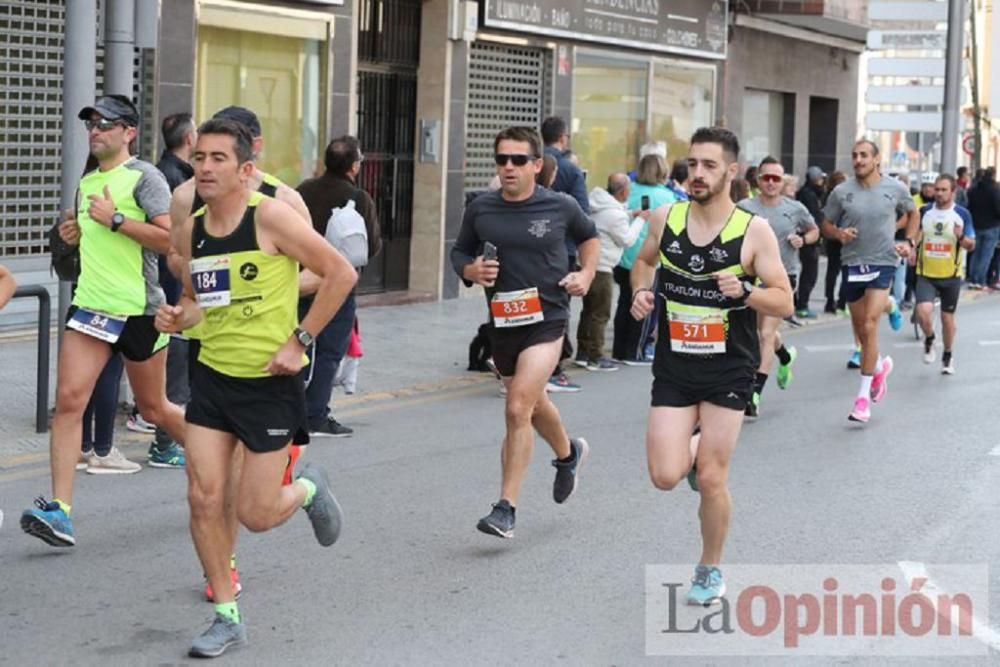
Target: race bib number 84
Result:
[[97, 325]]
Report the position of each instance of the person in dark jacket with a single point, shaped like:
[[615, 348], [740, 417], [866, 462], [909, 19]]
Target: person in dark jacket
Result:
[[984, 205], [811, 196], [333, 189]]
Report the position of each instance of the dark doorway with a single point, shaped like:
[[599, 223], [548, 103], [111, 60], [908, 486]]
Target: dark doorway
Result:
[[823, 133], [388, 55]]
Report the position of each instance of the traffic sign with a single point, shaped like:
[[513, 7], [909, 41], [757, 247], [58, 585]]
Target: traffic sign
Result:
[[909, 95], [906, 67], [907, 39], [905, 121], [969, 144], [929, 10]]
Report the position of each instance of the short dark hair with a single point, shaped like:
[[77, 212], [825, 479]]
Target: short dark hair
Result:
[[679, 172], [718, 135], [946, 177], [341, 154], [961, 171], [175, 128], [520, 133], [553, 129], [871, 143], [242, 139], [768, 160]]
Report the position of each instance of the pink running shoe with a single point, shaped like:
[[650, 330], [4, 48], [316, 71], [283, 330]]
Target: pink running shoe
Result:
[[879, 384], [862, 410]]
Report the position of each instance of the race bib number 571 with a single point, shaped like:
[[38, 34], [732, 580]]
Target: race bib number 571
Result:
[[697, 333], [516, 309]]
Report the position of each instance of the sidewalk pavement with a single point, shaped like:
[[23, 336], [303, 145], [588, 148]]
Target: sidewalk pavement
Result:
[[408, 350]]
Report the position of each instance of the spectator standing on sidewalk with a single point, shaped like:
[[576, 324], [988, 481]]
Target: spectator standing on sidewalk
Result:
[[569, 179], [835, 303], [617, 229], [811, 196], [984, 204], [678, 179], [323, 196]]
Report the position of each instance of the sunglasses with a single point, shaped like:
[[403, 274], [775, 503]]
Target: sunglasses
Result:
[[103, 124], [769, 178], [519, 159]]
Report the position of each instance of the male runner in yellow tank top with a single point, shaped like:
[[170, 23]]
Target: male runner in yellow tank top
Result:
[[244, 250]]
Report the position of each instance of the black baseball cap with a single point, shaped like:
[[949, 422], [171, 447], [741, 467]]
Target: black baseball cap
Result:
[[243, 116], [112, 107]]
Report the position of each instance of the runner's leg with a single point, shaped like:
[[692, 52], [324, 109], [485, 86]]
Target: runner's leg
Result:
[[925, 316], [948, 330], [262, 501], [720, 428], [871, 307], [81, 360], [149, 382], [668, 444], [770, 340]]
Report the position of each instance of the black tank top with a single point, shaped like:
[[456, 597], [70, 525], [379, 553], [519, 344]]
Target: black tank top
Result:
[[705, 338]]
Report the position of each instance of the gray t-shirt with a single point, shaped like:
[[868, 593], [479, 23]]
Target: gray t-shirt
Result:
[[873, 211], [788, 217], [530, 237]]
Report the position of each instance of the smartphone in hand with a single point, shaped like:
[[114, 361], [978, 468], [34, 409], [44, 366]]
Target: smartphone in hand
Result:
[[645, 202], [489, 251]]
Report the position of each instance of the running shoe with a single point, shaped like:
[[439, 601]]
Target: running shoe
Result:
[[581, 360], [331, 428], [862, 410], [785, 376], [114, 463], [221, 635], [234, 578], [171, 456], [930, 356], [499, 522], [895, 315], [752, 411], [602, 365], [49, 523], [880, 384], [855, 361], [692, 476], [85, 456], [948, 364], [707, 587], [137, 424], [806, 314], [324, 511], [793, 322], [560, 384], [567, 472], [294, 452], [645, 361]]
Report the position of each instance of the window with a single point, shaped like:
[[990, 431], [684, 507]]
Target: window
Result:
[[681, 103], [763, 123]]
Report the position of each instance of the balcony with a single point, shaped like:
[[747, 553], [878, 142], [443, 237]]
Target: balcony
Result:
[[847, 19]]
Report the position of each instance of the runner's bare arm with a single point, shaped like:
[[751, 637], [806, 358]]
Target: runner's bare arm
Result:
[[832, 231], [292, 197], [180, 213], [578, 283], [7, 286], [154, 235], [644, 267], [291, 235], [764, 261], [186, 314]]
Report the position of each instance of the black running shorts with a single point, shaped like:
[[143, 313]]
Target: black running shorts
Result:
[[670, 395], [509, 342], [947, 289], [264, 413], [139, 339]]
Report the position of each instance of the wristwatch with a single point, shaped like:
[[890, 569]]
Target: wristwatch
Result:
[[303, 336], [748, 288], [913, 244], [117, 220]]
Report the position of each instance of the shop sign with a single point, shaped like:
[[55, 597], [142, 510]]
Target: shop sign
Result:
[[690, 27]]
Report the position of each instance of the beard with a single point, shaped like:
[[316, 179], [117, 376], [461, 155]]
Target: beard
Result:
[[708, 193]]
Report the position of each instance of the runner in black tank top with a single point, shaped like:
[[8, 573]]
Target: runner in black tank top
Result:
[[708, 252]]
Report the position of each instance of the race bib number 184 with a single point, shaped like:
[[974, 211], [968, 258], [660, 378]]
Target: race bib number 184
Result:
[[210, 279]]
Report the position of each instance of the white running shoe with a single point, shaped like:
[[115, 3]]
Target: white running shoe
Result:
[[114, 463]]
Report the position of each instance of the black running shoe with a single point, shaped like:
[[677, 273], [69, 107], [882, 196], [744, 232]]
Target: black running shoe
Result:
[[568, 472], [499, 522]]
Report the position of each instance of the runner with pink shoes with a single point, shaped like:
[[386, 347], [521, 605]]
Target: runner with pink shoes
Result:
[[861, 213]]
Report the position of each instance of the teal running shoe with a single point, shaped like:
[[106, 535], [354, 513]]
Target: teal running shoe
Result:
[[785, 370], [855, 361], [692, 476], [895, 315], [49, 523], [168, 457], [707, 587]]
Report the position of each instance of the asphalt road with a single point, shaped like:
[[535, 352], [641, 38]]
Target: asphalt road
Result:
[[412, 582]]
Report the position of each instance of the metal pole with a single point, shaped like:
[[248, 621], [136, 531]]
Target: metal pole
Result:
[[119, 47], [976, 111], [953, 85], [79, 84]]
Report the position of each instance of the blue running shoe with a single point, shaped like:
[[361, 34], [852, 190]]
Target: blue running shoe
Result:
[[49, 523], [707, 587], [171, 456], [895, 315], [855, 361]]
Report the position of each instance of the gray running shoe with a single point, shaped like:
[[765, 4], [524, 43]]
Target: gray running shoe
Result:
[[499, 522], [324, 512], [567, 473], [222, 634]]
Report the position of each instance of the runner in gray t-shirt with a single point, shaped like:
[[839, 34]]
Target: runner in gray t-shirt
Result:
[[794, 227], [861, 213]]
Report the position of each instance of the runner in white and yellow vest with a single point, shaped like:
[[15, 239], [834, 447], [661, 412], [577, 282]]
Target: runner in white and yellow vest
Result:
[[243, 251], [946, 235]]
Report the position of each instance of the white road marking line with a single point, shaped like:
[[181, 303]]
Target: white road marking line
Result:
[[995, 451], [830, 348], [930, 590], [989, 342]]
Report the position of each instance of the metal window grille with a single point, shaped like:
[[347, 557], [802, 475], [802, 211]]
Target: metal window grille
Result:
[[389, 32], [508, 85]]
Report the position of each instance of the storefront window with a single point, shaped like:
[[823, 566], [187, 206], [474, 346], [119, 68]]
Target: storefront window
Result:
[[281, 79], [763, 114], [681, 103], [609, 114]]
